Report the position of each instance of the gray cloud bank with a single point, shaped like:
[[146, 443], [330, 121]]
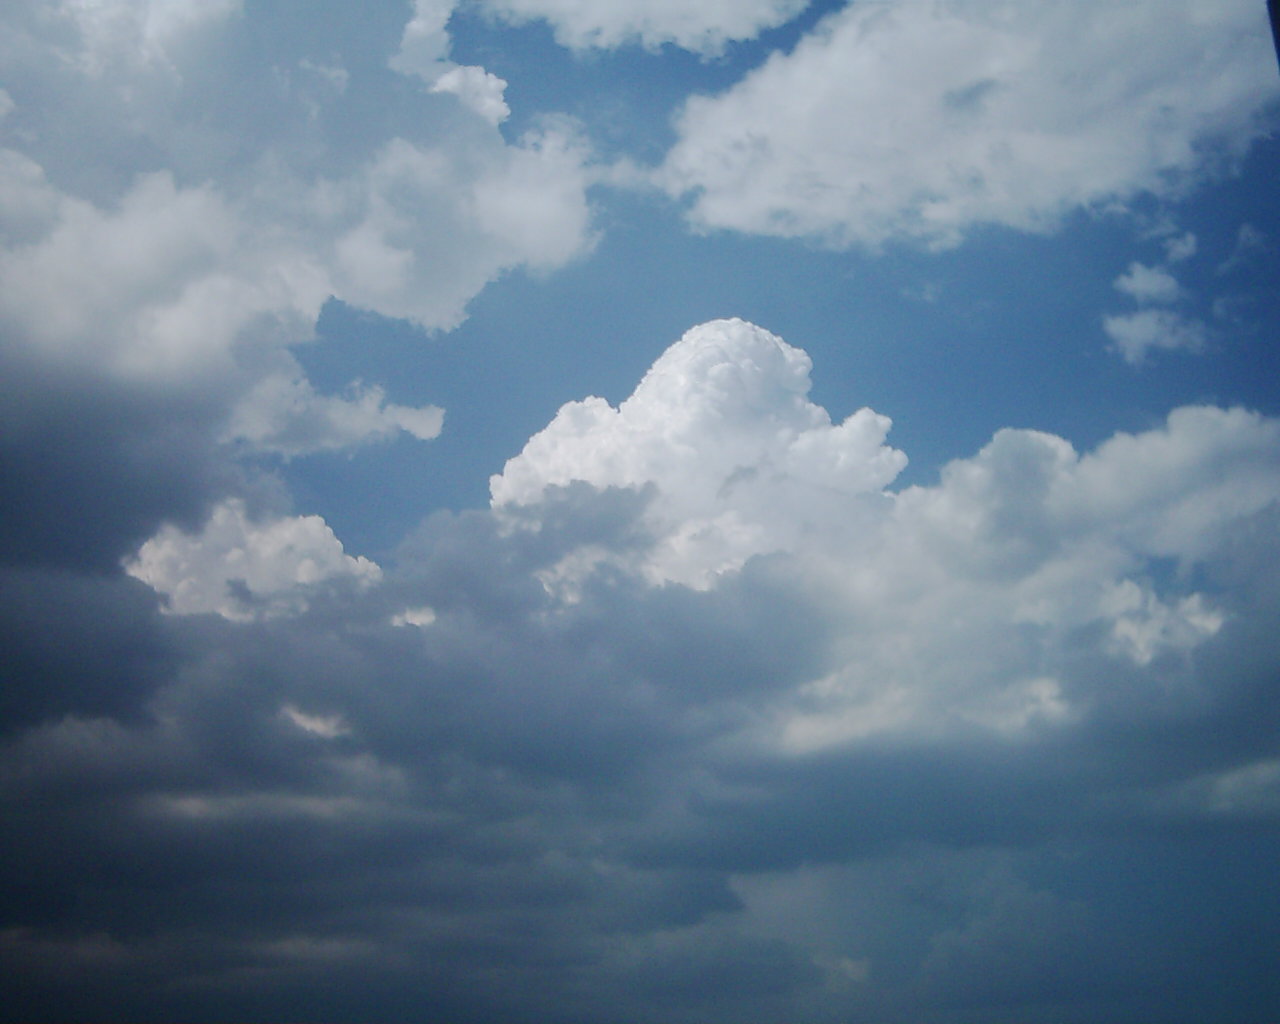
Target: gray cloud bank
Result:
[[663, 737]]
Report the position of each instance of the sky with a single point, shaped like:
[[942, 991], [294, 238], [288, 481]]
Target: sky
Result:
[[628, 510]]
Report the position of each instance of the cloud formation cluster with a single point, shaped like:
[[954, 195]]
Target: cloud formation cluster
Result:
[[705, 716], [688, 785], [922, 122], [173, 217]]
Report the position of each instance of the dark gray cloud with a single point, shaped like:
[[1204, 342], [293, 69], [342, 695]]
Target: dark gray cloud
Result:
[[557, 811]]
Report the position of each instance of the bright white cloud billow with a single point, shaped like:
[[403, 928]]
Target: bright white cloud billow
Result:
[[741, 461], [242, 568], [919, 122]]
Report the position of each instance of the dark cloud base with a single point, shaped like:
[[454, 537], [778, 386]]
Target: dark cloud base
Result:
[[535, 813]]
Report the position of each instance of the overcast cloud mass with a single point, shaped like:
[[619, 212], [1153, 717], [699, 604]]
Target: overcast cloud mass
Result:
[[635, 511]]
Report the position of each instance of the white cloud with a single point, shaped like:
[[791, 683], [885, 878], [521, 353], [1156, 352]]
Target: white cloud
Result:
[[158, 288], [1180, 247], [478, 89], [1136, 334], [1148, 284], [921, 121], [153, 254], [740, 460], [424, 53], [966, 604], [284, 414], [425, 43], [420, 617], [702, 27], [244, 569]]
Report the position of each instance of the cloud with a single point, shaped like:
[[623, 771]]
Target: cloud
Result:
[[848, 752], [1136, 334], [922, 122], [284, 414], [705, 28], [740, 460], [241, 569], [424, 52], [478, 89], [175, 213], [1146, 284]]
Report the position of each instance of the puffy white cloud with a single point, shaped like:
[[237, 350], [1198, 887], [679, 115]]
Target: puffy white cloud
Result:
[[425, 43], [478, 89], [920, 121], [284, 414], [1136, 334], [1148, 284], [959, 605], [244, 569], [740, 461], [978, 593], [159, 288], [704, 27], [424, 52]]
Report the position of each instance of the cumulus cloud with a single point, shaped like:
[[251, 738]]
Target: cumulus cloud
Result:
[[703, 28], [242, 569], [920, 122], [793, 739], [740, 461], [478, 89], [956, 598], [1146, 284], [1136, 335]]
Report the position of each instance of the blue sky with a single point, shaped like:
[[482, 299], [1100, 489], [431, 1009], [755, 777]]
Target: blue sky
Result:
[[549, 510]]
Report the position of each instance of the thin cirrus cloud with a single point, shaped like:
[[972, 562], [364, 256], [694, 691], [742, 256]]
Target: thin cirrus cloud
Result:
[[922, 122]]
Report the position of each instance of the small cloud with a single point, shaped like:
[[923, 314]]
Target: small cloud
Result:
[[285, 415], [326, 727], [243, 569], [420, 617], [1180, 248], [1148, 285], [479, 90], [1136, 334]]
